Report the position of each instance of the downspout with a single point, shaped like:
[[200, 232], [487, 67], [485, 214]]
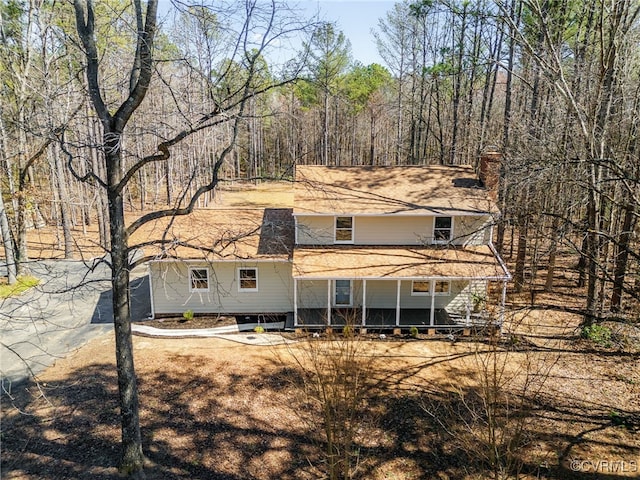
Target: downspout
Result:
[[295, 302], [364, 301]]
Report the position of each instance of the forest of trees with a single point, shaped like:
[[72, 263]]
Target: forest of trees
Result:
[[553, 85], [115, 106]]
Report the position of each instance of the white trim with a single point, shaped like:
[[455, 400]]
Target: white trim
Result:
[[295, 302], [335, 230], [449, 279], [335, 292], [209, 261], [329, 285], [398, 289], [190, 279], [246, 290], [432, 311], [364, 303], [422, 213], [153, 310]]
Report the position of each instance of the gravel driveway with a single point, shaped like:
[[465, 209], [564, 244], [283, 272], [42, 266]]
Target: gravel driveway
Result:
[[71, 306]]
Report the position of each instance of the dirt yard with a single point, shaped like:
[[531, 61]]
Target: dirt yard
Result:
[[214, 408], [538, 402]]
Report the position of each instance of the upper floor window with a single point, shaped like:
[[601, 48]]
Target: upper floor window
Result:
[[344, 230], [198, 279], [442, 229], [248, 279]]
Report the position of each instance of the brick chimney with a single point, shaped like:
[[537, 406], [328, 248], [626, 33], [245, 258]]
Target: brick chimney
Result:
[[489, 170]]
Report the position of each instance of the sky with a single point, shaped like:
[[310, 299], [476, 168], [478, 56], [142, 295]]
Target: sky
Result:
[[355, 18]]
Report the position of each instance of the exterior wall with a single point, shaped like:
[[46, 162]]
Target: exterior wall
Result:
[[313, 293], [393, 230], [463, 294], [315, 230], [382, 294], [171, 295]]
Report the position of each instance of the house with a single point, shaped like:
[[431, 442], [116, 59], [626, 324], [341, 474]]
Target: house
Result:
[[377, 247]]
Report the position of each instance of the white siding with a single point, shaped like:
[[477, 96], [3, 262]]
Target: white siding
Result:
[[391, 230], [463, 293], [315, 230], [312, 294], [394, 230], [170, 284]]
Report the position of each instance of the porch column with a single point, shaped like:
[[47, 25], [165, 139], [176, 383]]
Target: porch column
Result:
[[364, 302], [432, 312], [398, 304], [468, 309], [328, 302], [295, 302]]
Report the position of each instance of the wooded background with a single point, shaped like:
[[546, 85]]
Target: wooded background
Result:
[[552, 85]]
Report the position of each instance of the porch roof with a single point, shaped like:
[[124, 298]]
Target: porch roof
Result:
[[478, 262]]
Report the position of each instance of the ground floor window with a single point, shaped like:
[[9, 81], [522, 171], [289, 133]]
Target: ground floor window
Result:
[[198, 279], [248, 279], [442, 287], [343, 292], [420, 287]]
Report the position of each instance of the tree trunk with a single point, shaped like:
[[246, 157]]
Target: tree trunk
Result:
[[132, 460], [7, 241], [65, 215], [622, 257], [518, 276]]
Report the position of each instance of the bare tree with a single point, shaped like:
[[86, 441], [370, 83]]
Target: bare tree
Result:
[[226, 106]]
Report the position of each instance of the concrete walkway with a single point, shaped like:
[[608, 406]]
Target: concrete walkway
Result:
[[230, 332]]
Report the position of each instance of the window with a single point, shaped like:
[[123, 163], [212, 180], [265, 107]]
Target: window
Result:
[[442, 287], [198, 279], [420, 287], [442, 229], [344, 230], [343, 292], [248, 279]]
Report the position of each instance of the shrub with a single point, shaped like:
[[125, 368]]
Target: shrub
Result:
[[413, 331], [598, 334], [347, 331], [22, 284], [259, 329], [188, 315]]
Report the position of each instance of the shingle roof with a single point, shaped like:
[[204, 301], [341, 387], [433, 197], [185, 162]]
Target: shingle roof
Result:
[[222, 234], [407, 190], [397, 262]]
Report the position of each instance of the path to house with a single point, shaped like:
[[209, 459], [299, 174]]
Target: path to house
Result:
[[231, 332], [71, 306]]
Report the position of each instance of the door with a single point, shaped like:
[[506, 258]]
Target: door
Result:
[[343, 293]]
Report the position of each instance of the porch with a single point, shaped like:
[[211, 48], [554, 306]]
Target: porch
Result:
[[387, 318]]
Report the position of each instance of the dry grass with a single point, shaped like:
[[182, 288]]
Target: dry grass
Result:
[[216, 409]]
